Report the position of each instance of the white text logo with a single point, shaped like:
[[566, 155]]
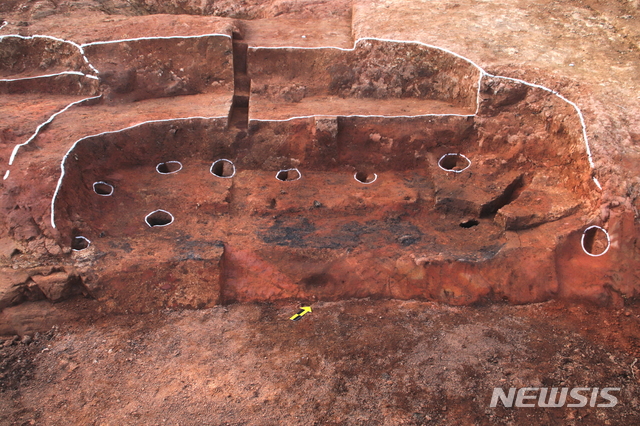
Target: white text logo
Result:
[[555, 397]]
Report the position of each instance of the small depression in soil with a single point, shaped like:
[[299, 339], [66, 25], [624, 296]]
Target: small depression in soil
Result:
[[454, 162], [288, 175], [223, 168], [365, 177], [80, 243], [103, 188], [595, 241], [169, 167], [159, 218]]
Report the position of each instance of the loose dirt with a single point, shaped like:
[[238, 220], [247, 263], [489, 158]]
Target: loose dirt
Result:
[[358, 362]]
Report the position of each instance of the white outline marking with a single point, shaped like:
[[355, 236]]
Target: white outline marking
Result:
[[81, 47], [375, 178], [158, 226], [3, 24], [280, 120], [126, 40], [40, 127], [103, 183], [605, 233], [47, 76], [597, 182], [350, 49], [95, 43], [457, 155], [288, 170], [74, 44], [64, 159], [482, 75], [80, 237], [167, 162], [223, 177], [6, 175]]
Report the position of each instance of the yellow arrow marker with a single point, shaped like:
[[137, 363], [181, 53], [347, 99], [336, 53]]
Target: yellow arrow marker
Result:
[[304, 310]]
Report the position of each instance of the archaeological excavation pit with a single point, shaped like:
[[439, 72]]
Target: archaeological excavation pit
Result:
[[102, 188], [80, 243], [223, 168], [159, 218], [422, 179], [169, 167], [469, 223], [288, 175], [595, 241], [454, 162], [365, 177]]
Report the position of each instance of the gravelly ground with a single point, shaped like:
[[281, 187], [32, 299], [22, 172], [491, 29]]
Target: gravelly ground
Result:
[[358, 362]]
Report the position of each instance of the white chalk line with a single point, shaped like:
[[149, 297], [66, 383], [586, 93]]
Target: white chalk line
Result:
[[351, 49], [482, 74], [81, 47], [74, 44], [300, 117], [2, 37], [78, 73], [90, 65], [126, 40], [41, 126], [3, 24], [64, 159], [153, 38]]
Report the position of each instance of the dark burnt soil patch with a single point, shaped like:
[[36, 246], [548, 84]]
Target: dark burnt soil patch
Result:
[[17, 356]]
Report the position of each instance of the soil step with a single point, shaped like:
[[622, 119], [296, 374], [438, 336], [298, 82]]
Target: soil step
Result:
[[242, 85], [239, 112]]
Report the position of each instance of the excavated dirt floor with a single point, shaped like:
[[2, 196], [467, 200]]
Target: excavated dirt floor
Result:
[[452, 187], [358, 362]]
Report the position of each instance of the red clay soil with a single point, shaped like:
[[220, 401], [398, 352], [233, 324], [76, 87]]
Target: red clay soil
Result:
[[196, 171], [358, 362]]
